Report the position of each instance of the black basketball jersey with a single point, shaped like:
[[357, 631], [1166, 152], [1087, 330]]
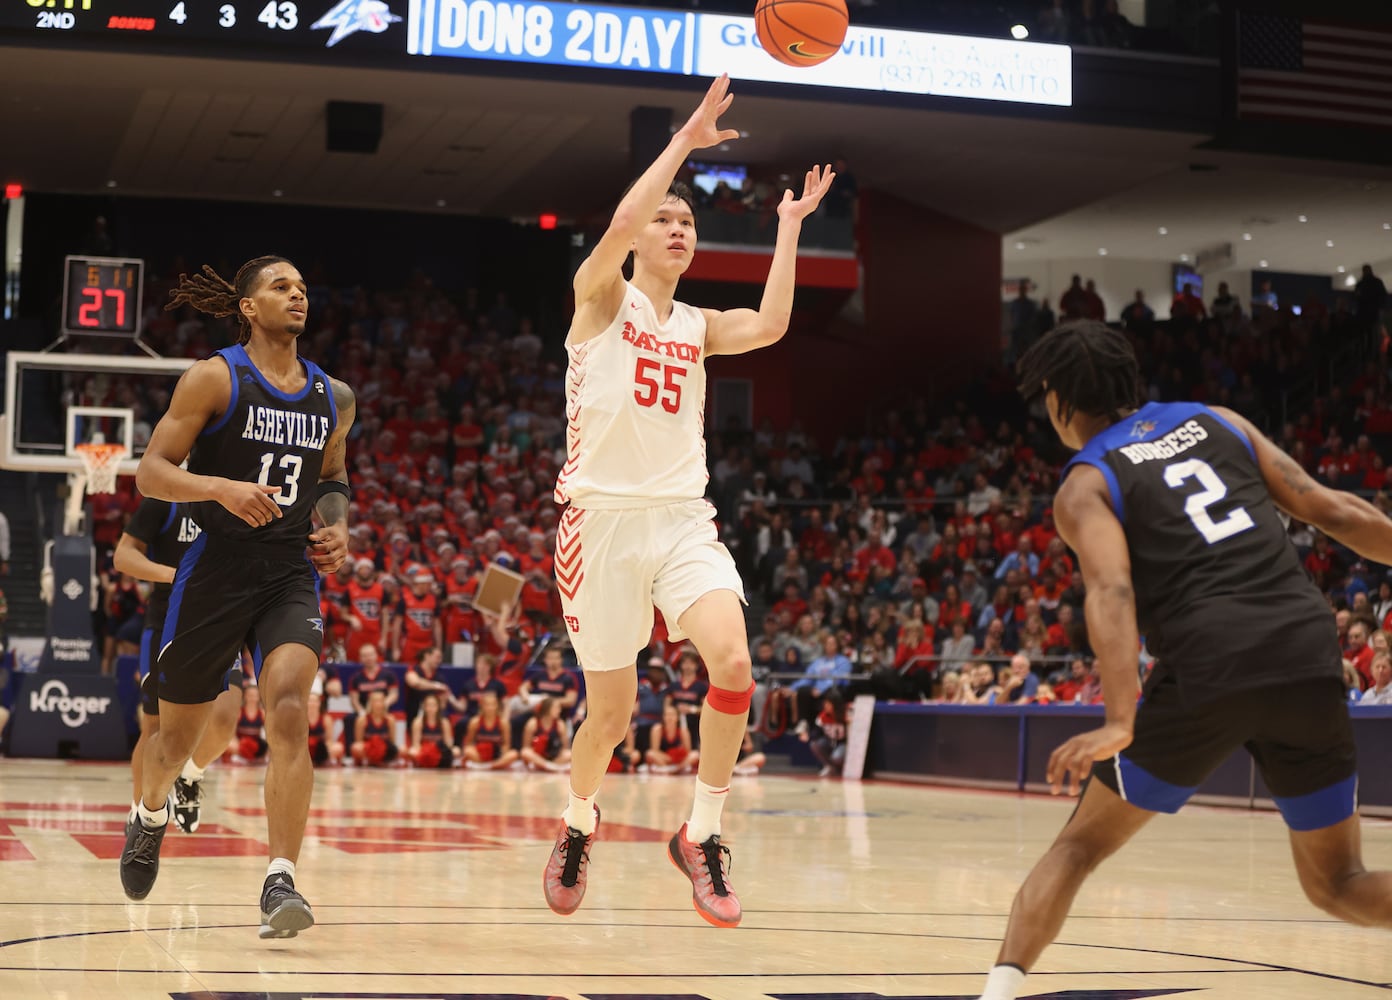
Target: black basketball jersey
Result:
[[167, 529], [270, 437], [1221, 597]]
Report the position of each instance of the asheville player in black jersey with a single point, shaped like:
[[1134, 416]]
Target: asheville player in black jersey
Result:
[[264, 434], [158, 535], [1174, 512]]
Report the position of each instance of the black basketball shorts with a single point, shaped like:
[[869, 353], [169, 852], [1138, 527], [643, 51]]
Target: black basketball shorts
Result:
[[226, 596], [1299, 734]]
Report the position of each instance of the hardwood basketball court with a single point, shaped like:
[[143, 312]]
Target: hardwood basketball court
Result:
[[428, 884]]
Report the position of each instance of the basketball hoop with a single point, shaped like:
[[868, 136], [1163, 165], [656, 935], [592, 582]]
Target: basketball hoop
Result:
[[103, 463]]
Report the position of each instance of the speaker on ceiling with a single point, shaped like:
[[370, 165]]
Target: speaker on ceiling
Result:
[[352, 126]]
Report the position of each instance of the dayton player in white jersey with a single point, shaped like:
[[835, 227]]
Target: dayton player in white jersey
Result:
[[637, 533]]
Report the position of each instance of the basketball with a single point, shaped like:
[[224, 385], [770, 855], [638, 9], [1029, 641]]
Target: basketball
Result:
[[801, 32]]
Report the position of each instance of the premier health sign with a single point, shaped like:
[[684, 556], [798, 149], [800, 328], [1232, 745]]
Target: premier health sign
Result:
[[706, 45]]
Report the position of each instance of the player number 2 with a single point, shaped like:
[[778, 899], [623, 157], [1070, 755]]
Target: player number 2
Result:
[[1197, 505], [290, 489], [649, 392]]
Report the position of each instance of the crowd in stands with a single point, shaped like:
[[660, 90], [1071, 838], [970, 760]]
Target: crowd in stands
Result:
[[916, 559]]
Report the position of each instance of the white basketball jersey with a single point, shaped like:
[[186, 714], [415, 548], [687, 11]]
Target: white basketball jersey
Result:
[[636, 410]]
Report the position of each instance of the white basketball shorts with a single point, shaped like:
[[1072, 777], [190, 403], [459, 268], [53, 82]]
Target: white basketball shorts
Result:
[[614, 566]]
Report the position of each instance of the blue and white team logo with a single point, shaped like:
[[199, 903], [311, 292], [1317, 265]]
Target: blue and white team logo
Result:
[[350, 16], [316, 623], [1141, 428]]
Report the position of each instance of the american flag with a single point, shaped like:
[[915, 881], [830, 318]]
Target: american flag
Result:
[[1297, 70]]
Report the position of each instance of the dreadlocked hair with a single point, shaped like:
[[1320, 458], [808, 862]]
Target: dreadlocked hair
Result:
[[1089, 365], [211, 293]]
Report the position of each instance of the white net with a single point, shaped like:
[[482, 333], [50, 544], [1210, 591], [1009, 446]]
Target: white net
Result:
[[102, 463]]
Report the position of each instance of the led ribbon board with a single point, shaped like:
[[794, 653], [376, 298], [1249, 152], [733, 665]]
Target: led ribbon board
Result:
[[704, 45]]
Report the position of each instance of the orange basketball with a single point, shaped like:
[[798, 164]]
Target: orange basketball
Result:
[[801, 32]]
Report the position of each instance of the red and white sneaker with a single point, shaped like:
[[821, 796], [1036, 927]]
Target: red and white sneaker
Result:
[[563, 882], [707, 864]]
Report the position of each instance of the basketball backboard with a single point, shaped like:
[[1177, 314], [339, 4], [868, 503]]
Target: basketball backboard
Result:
[[54, 401]]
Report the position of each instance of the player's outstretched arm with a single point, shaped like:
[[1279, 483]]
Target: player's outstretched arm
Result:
[[601, 275], [1083, 513], [329, 545], [203, 392], [1348, 519], [132, 557], [739, 330]]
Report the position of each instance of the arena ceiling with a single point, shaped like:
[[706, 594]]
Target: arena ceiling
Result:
[[1303, 217], [515, 147]]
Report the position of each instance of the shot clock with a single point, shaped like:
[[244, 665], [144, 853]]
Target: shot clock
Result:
[[101, 296]]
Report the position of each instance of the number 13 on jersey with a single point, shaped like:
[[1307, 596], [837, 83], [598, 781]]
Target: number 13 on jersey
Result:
[[290, 487]]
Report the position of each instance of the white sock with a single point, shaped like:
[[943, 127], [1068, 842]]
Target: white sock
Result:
[[281, 866], [705, 812], [191, 771], [1004, 983], [580, 813], [134, 812], [152, 819]]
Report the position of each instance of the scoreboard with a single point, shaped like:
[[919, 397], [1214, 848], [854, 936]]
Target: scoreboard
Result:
[[409, 33], [268, 24], [101, 296]]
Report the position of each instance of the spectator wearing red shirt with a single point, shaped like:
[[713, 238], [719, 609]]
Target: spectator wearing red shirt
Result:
[[1320, 562], [537, 557], [1060, 635], [874, 553], [919, 496], [1057, 560], [952, 609], [368, 615], [1336, 463], [468, 436], [1375, 478], [400, 423], [792, 602], [969, 540], [915, 646], [435, 427], [386, 455], [1360, 653], [1187, 305], [418, 611], [1068, 690], [1043, 533]]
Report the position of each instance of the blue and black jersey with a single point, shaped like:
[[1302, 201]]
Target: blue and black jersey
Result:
[[167, 529], [270, 437], [1220, 593]]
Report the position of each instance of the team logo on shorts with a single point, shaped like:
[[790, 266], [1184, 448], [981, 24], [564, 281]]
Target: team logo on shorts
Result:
[[316, 623], [572, 623]]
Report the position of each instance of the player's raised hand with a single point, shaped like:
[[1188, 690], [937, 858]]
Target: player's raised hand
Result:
[[814, 188], [328, 547], [702, 130], [254, 503], [1073, 761]]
